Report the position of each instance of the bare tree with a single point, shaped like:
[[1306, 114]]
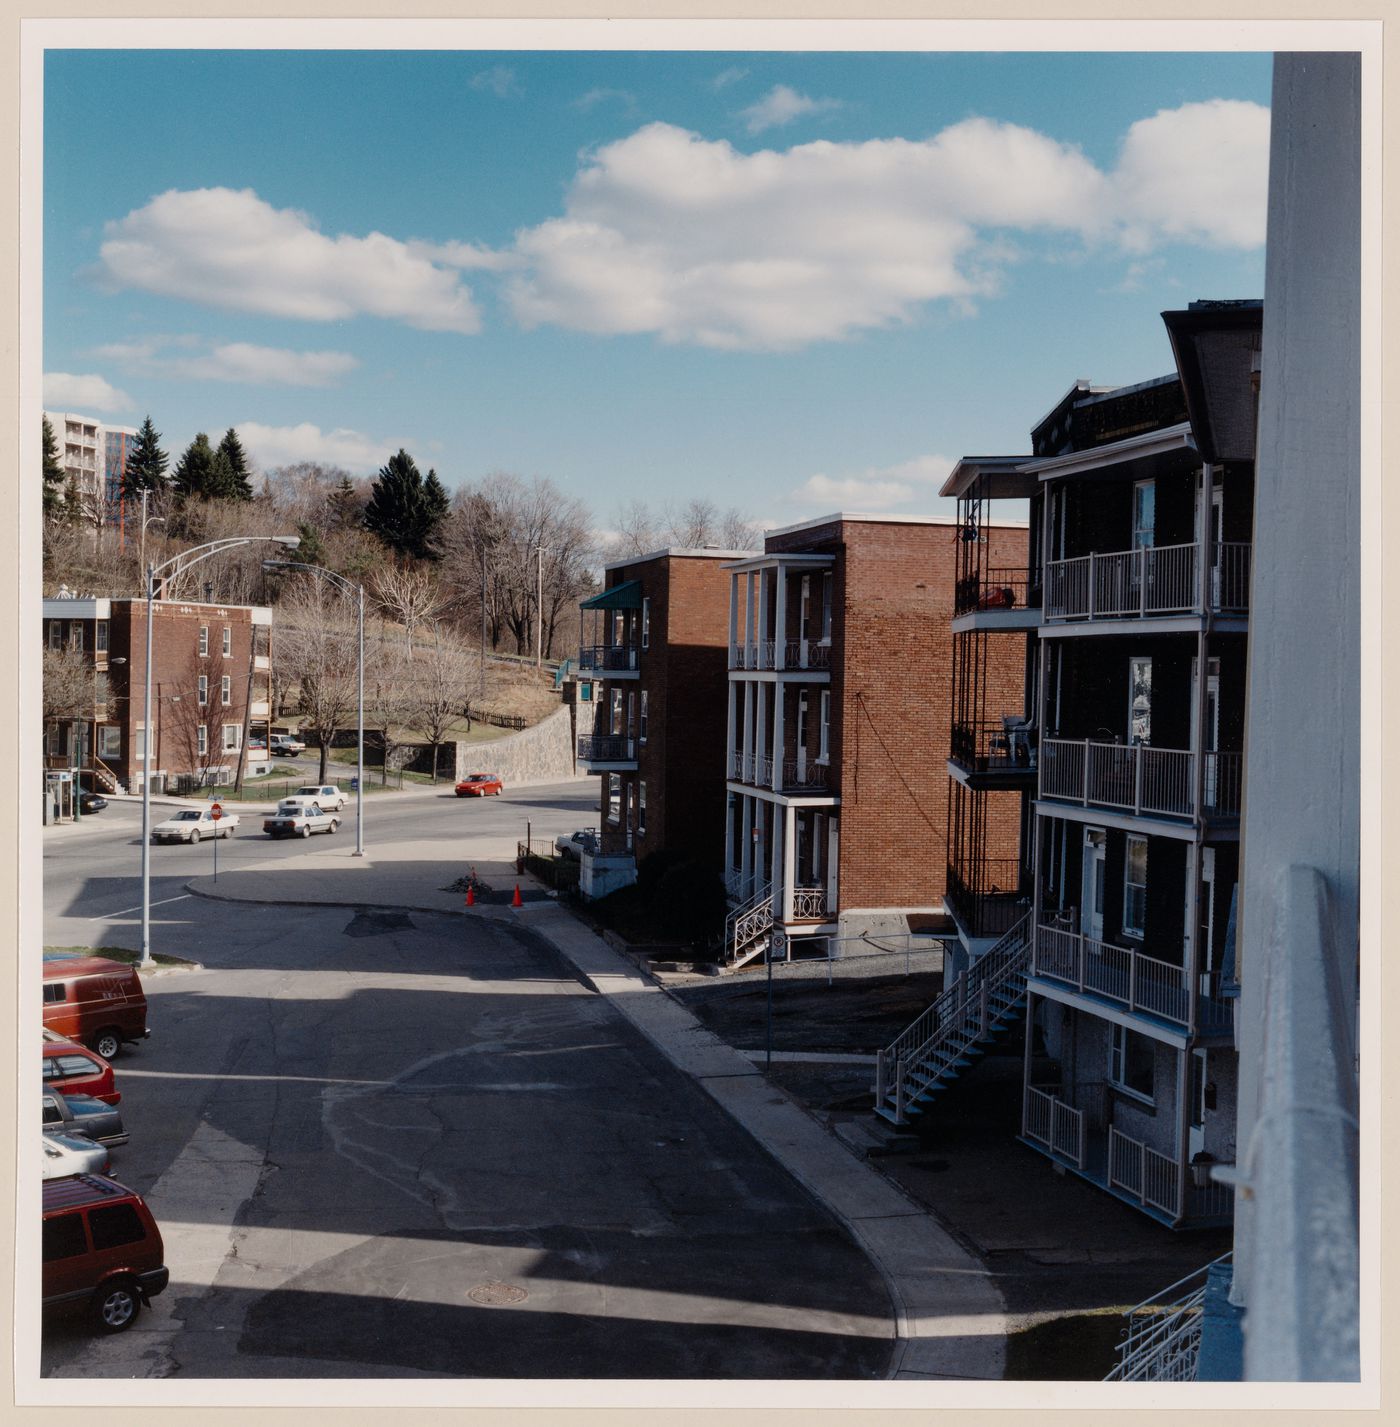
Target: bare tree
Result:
[[187, 730], [692, 526], [314, 640], [410, 594], [637, 530], [72, 687], [436, 691]]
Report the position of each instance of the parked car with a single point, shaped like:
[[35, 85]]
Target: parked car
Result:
[[299, 817], [73, 1154], [82, 1115], [90, 803], [328, 795], [192, 824], [572, 844], [255, 745], [286, 745], [479, 785], [72, 1068], [102, 1250], [96, 1001]]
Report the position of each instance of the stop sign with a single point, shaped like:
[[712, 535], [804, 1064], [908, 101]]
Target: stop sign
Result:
[[215, 811]]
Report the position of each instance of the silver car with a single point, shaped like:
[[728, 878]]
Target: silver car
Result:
[[73, 1154]]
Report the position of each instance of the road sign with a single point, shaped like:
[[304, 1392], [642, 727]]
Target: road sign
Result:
[[215, 811]]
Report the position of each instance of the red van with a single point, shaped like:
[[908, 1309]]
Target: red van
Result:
[[95, 1001], [102, 1250], [75, 1070]]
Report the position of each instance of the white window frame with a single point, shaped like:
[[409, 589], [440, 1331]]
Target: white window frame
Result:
[[228, 641], [203, 640], [646, 622], [641, 807], [55, 634], [1144, 493], [1133, 661], [232, 744], [642, 719], [109, 740], [613, 789], [1117, 1064], [824, 728], [826, 607], [202, 693], [100, 637], [138, 742], [1137, 932], [226, 690], [202, 740], [75, 635], [615, 711]]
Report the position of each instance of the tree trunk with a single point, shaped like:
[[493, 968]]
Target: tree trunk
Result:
[[325, 758]]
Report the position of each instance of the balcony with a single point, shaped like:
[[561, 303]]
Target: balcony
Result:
[[1139, 779], [995, 589], [608, 659], [1130, 979], [611, 752], [989, 897], [757, 771], [1157, 581], [799, 655], [1001, 746], [809, 904]]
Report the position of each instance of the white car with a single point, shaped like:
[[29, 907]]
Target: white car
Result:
[[286, 745], [192, 824], [328, 795], [573, 844], [299, 817], [72, 1154]]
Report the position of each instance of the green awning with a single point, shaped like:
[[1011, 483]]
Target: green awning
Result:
[[627, 595]]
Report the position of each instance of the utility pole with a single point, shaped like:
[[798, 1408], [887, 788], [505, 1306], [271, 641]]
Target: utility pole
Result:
[[539, 605]]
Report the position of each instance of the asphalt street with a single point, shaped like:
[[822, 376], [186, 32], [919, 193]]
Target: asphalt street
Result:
[[388, 1144]]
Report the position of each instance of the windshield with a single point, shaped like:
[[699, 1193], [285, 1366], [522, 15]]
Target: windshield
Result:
[[191, 817]]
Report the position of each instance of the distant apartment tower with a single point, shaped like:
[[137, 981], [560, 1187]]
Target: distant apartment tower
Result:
[[93, 456], [840, 664], [652, 647]]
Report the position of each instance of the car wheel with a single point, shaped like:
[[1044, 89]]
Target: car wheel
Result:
[[306, 830], [194, 834], [335, 823], [115, 1306], [107, 1043]]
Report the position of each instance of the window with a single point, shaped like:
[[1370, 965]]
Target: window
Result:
[[1144, 508], [75, 635], [802, 724], [233, 737], [631, 814], [631, 713], [1135, 887], [585, 691], [55, 991], [805, 609], [228, 641], [138, 743], [109, 741], [1139, 700], [826, 608], [64, 1237], [646, 623], [202, 734], [203, 690], [203, 638], [824, 748], [641, 809], [615, 711], [100, 638], [114, 1225], [642, 719], [1130, 1060], [55, 634], [614, 797], [226, 690]]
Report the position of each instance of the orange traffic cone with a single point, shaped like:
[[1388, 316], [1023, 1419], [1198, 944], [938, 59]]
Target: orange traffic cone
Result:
[[515, 900], [471, 896]]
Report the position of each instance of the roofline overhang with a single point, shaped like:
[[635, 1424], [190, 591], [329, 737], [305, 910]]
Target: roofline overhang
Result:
[[1161, 442]]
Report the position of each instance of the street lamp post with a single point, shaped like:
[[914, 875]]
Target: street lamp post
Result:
[[539, 604], [171, 569], [359, 592]]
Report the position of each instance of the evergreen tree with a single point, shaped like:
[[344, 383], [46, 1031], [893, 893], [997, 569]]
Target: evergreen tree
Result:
[[404, 510], [311, 550], [233, 475], [196, 473], [53, 472], [145, 462], [343, 506]]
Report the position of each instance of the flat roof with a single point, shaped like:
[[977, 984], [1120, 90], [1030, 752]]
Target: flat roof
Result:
[[689, 552], [862, 517]]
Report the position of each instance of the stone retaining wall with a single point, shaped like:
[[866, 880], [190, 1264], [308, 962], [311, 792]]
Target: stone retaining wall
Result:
[[542, 754]]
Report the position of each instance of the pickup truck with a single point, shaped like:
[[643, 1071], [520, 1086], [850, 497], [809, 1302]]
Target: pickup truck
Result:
[[285, 745], [299, 817]]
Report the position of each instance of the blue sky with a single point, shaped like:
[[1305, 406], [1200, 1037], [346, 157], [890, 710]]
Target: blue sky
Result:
[[788, 282]]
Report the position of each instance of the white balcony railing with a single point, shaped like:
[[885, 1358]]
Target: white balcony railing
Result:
[[1049, 1121], [1143, 1172], [804, 775], [1137, 778], [1158, 580], [808, 904]]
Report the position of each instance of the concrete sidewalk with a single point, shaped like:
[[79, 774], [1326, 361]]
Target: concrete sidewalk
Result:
[[951, 1321]]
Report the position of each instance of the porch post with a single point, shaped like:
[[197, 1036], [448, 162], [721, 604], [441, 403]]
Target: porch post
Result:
[[746, 767], [780, 618], [731, 729], [762, 613], [779, 735], [789, 859], [733, 616], [1183, 1122], [746, 851]]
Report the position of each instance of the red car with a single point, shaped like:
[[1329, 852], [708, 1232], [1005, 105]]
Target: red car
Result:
[[478, 785], [73, 1069]]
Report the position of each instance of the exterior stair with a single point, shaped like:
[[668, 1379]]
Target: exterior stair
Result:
[[108, 780], [748, 930], [976, 1011]]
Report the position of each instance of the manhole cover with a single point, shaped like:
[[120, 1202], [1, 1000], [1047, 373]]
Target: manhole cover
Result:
[[497, 1295]]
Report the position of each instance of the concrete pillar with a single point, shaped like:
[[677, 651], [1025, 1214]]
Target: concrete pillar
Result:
[[780, 618], [789, 859], [779, 734]]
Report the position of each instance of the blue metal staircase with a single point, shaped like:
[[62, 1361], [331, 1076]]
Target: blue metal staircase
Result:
[[971, 1015]]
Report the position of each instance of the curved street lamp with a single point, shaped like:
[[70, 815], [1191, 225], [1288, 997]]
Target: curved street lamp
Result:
[[359, 592], [170, 569]]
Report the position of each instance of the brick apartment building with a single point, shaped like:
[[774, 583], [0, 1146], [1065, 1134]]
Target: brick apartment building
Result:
[[1125, 758], [210, 681], [652, 643], [840, 687]]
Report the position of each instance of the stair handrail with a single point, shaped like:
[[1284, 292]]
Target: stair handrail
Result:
[[748, 920], [920, 1040]]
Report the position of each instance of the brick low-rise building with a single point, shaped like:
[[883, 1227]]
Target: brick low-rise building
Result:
[[209, 689], [840, 684], [652, 644]]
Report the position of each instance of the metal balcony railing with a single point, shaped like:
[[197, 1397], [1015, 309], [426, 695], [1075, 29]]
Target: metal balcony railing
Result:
[[996, 588], [607, 748], [1150, 1176], [1157, 580], [989, 897], [603, 658], [808, 904], [1163, 1337], [993, 745], [1049, 1121], [1138, 778]]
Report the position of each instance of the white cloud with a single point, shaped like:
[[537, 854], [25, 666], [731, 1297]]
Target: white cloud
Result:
[[284, 445], [70, 391], [877, 488], [782, 105], [499, 80], [729, 76], [242, 362], [669, 233], [594, 97], [228, 248]]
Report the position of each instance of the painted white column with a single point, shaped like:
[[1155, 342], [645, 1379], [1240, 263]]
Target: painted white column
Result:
[[731, 728], [779, 746], [777, 811], [733, 614], [763, 581], [760, 721], [748, 719], [748, 608], [833, 855], [789, 859], [780, 618], [746, 852]]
